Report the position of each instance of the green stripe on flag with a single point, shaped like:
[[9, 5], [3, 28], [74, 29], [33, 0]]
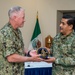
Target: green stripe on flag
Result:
[[37, 30]]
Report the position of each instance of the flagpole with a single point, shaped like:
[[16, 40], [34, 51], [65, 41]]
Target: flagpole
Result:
[[37, 15]]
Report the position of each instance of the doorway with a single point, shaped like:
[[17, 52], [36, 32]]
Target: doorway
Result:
[[60, 13]]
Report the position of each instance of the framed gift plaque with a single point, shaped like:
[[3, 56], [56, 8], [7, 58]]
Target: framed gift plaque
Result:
[[48, 41]]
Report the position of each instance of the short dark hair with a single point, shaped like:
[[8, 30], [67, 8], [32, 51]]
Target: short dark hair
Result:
[[71, 20]]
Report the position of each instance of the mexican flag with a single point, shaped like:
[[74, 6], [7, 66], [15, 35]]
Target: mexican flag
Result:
[[36, 40]]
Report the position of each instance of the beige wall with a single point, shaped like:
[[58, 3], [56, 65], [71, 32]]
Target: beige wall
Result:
[[47, 12]]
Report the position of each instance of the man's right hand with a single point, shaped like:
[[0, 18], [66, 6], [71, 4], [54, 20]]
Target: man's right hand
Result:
[[36, 58]]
